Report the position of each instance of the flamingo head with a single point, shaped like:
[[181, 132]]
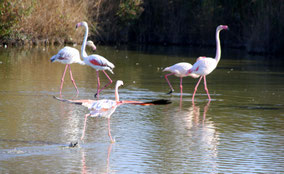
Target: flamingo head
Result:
[[83, 23], [91, 44], [53, 58], [119, 83], [222, 27]]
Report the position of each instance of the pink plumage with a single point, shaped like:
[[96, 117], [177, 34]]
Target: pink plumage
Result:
[[67, 55], [95, 61], [205, 65], [105, 108], [180, 70]]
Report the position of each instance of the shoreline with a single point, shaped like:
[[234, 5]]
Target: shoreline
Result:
[[62, 42]]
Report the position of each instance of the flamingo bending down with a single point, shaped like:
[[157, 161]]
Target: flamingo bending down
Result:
[[95, 61], [69, 55], [180, 70], [105, 108], [205, 65]]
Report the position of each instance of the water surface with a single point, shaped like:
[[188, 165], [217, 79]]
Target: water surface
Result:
[[240, 131]]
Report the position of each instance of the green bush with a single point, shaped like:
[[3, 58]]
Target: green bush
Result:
[[10, 16], [129, 10]]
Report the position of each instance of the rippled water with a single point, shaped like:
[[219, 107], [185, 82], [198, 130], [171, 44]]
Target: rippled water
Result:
[[240, 131]]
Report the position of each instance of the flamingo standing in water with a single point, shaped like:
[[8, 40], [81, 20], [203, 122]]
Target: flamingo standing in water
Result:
[[95, 61], [205, 65], [69, 55], [180, 70], [105, 108]]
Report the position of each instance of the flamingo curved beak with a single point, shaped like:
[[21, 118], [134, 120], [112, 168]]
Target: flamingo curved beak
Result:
[[225, 27], [94, 47], [52, 59], [78, 25]]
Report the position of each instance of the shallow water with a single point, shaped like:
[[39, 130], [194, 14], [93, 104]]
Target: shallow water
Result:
[[240, 131]]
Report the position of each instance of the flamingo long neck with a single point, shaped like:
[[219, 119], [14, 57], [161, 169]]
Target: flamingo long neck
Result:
[[116, 93], [218, 47], [83, 52]]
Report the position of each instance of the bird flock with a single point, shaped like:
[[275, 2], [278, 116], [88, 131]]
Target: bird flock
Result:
[[105, 107]]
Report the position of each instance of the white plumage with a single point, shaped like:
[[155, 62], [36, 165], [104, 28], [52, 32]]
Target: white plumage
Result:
[[99, 62], [67, 55], [205, 65], [95, 61], [103, 108], [180, 70]]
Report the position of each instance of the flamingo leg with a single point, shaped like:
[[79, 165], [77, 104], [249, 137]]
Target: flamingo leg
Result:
[[110, 81], [85, 123], [166, 77], [109, 134], [99, 84], [180, 100], [73, 81], [206, 89], [180, 85], [62, 79], [195, 89]]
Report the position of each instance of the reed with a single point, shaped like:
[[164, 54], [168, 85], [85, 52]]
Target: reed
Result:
[[39, 21], [55, 20]]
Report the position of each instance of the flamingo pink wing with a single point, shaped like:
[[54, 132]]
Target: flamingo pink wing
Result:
[[95, 62]]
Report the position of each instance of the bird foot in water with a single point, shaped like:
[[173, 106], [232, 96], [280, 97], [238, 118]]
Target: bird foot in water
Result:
[[171, 91], [73, 144], [112, 140]]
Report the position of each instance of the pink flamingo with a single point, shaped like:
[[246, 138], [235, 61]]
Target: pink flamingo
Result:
[[95, 61], [180, 70], [69, 55], [105, 108], [205, 65]]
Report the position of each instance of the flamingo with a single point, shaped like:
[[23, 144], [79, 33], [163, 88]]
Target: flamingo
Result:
[[95, 61], [180, 70], [105, 108], [69, 55], [205, 65]]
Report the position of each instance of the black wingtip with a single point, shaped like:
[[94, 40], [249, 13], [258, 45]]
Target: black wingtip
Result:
[[60, 99], [67, 101], [160, 102], [57, 98]]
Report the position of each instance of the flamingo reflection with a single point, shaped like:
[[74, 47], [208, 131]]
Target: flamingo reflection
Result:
[[86, 169], [195, 132]]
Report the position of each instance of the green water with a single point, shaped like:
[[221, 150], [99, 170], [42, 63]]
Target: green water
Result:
[[240, 131]]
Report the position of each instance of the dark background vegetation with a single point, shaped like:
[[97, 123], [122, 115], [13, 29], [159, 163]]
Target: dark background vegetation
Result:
[[255, 25]]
